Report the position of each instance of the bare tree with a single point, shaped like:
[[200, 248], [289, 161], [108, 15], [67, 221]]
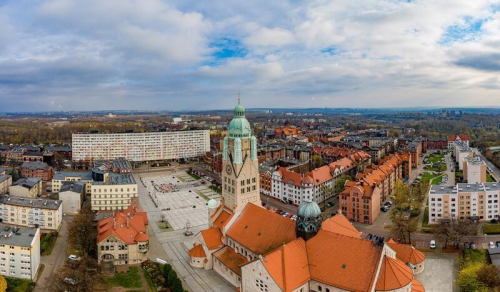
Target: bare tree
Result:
[[82, 233], [77, 276]]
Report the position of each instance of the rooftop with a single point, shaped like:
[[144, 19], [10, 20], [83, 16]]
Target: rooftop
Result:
[[30, 202], [34, 165], [74, 186], [81, 175], [117, 179], [18, 236], [4, 177], [27, 182]]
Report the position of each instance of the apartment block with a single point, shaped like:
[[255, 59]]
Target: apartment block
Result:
[[72, 194], [60, 177], [115, 193], [29, 212], [474, 170], [5, 183], [26, 187], [477, 201], [19, 252], [141, 146]]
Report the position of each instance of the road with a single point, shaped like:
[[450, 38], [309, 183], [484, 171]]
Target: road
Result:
[[495, 172], [56, 259]]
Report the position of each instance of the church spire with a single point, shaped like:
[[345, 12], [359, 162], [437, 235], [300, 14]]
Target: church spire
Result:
[[238, 97]]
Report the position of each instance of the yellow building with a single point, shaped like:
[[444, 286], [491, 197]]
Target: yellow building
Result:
[[19, 252], [116, 193], [60, 177], [26, 187], [30, 212], [5, 183]]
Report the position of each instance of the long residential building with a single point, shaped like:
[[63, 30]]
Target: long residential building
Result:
[[477, 201], [29, 212], [148, 146], [19, 252], [115, 193]]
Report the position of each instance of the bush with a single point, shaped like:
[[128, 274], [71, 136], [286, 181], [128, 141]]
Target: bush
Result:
[[166, 269], [172, 275], [177, 286], [494, 221]]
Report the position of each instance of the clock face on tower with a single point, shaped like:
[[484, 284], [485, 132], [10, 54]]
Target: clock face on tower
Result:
[[228, 169]]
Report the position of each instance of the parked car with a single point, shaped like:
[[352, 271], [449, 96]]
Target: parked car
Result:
[[432, 245], [329, 204], [69, 281], [73, 258], [369, 236], [492, 244], [375, 237], [498, 243], [285, 214], [289, 216], [384, 208], [294, 217], [466, 245], [278, 211], [473, 245]]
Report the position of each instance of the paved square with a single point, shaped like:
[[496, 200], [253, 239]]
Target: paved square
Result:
[[186, 202], [440, 272]]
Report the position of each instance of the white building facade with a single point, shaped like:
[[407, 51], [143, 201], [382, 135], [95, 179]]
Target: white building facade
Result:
[[147, 146]]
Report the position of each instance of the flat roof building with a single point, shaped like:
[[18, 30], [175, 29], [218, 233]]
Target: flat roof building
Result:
[[20, 249]]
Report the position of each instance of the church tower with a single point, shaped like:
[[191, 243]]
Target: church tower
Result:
[[240, 173]]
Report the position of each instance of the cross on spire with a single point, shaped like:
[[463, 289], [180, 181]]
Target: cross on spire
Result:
[[238, 97]]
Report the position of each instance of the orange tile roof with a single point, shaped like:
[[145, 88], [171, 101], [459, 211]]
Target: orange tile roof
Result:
[[212, 237], [261, 231], [290, 177], [223, 218], [231, 259], [416, 286], [321, 175], [462, 137], [394, 274], [340, 225], [288, 265], [128, 225], [341, 261], [406, 252], [197, 251]]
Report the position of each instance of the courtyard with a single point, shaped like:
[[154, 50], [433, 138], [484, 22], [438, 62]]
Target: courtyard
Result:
[[180, 198]]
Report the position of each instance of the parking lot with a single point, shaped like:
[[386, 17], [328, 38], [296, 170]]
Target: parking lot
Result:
[[180, 198]]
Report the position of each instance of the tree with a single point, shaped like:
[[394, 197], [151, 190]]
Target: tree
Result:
[[166, 269], [340, 184], [83, 235], [58, 161], [317, 161], [404, 225], [325, 191], [462, 229], [177, 286], [443, 229], [3, 284], [77, 276], [468, 281], [172, 275], [489, 275]]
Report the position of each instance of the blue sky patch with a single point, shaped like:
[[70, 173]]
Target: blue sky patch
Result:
[[464, 32], [227, 48], [330, 51]]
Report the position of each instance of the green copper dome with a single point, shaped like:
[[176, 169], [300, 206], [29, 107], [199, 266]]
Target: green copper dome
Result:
[[239, 126], [308, 209]]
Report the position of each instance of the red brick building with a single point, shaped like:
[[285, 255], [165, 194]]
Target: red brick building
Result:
[[37, 169]]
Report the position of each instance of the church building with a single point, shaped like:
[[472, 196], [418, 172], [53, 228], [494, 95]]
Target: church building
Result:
[[255, 249]]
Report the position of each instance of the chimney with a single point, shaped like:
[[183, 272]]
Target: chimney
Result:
[[114, 223], [128, 225]]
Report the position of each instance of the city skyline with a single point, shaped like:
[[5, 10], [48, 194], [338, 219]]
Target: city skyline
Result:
[[188, 55]]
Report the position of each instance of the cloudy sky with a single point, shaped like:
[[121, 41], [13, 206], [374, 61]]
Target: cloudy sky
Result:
[[183, 54]]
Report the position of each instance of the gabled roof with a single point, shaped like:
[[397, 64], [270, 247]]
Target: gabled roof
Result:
[[406, 252], [345, 262], [231, 259], [288, 265], [212, 237], [261, 231], [223, 218], [393, 275], [462, 137], [340, 225]]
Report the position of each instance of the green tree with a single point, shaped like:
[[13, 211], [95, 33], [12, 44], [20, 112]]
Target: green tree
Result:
[[340, 184], [172, 275], [166, 269], [317, 161], [177, 286], [468, 281]]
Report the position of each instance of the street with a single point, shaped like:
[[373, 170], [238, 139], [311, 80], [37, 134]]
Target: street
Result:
[[495, 172], [56, 259]]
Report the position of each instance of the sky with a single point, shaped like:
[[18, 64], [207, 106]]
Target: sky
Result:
[[197, 55]]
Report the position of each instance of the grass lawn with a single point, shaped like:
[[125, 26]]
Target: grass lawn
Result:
[[163, 225], [435, 158], [19, 285], [491, 228], [436, 178], [216, 189], [131, 279], [472, 256], [489, 178], [47, 243], [194, 176]]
